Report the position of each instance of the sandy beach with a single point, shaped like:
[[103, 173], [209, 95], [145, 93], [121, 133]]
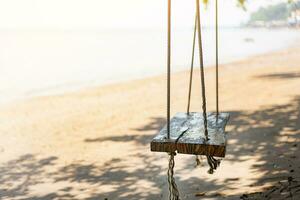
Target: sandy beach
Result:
[[94, 143]]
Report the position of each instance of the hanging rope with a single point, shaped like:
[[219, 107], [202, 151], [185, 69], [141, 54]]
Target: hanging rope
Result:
[[202, 70], [192, 67], [212, 162], [173, 190], [217, 60], [197, 157], [169, 70]]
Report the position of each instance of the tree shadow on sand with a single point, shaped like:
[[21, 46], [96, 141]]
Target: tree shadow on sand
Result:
[[271, 133], [17, 176], [156, 124], [287, 75]]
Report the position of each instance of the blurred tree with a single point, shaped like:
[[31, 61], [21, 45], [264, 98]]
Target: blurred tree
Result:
[[241, 3], [270, 13]]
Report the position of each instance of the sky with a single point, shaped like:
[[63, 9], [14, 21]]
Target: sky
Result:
[[104, 14]]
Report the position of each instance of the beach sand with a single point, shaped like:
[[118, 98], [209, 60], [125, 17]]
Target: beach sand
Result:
[[94, 143]]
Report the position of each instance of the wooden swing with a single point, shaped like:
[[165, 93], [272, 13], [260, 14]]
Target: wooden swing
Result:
[[191, 132], [187, 135]]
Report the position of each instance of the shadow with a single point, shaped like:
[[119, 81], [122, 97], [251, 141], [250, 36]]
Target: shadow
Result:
[[125, 180], [272, 134], [284, 189], [17, 176], [280, 76], [154, 126], [20, 179], [259, 132], [137, 138]]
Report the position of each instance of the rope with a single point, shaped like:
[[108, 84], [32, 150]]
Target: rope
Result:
[[199, 160], [202, 71], [212, 162], [197, 157], [169, 70], [217, 61], [192, 67], [173, 190]]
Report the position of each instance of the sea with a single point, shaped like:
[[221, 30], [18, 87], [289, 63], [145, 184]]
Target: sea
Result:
[[46, 62]]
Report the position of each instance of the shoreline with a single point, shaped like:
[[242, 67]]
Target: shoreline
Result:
[[66, 88], [63, 73]]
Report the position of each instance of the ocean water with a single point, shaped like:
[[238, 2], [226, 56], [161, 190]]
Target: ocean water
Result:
[[36, 62]]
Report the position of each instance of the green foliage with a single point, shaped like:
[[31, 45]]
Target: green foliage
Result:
[[205, 2], [241, 3], [273, 12]]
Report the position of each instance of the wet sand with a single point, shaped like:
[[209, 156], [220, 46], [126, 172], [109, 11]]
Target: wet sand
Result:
[[94, 143]]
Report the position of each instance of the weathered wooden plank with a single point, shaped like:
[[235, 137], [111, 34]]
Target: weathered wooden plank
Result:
[[187, 135], [161, 143], [193, 141]]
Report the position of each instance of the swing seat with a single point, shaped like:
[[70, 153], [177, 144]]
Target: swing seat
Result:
[[187, 135]]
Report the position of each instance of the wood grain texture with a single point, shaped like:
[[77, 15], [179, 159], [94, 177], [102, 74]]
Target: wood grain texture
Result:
[[187, 135], [161, 143]]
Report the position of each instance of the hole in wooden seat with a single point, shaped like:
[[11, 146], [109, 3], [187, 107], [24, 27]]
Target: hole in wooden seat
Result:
[[187, 135]]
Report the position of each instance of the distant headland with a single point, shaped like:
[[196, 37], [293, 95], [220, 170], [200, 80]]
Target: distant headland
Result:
[[276, 16]]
